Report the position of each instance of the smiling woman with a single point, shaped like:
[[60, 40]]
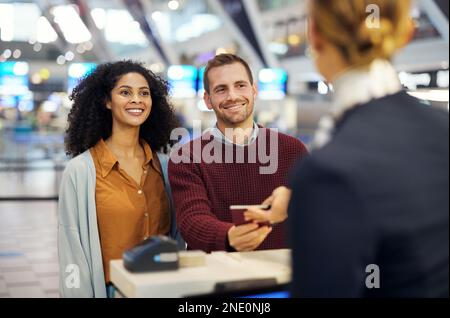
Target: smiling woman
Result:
[[114, 192], [130, 102], [90, 119]]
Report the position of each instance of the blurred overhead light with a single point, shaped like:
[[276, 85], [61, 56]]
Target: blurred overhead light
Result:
[[173, 5], [99, 17], [71, 24], [17, 53], [80, 48], [78, 70], [199, 24], [135, 25], [44, 31], [163, 24], [156, 16], [124, 32], [88, 46], [20, 68], [37, 47], [69, 56], [18, 20], [6, 22], [7, 53], [60, 60]]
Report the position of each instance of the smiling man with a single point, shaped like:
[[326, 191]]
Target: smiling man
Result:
[[226, 168]]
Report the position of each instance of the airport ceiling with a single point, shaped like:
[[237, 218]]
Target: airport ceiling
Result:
[[169, 23], [103, 48]]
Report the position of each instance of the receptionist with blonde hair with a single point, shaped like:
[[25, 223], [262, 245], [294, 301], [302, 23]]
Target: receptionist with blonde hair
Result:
[[369, 209]]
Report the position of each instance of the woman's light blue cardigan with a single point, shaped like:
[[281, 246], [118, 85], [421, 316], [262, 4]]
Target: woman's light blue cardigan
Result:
[[80, 258]]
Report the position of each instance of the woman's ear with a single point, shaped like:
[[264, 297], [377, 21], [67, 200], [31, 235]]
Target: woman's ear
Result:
[[314, 37], [108, 104]]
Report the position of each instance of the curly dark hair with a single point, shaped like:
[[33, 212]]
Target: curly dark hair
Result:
[[90, 120]]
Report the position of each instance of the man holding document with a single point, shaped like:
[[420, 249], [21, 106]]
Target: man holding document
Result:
[[234, 165]]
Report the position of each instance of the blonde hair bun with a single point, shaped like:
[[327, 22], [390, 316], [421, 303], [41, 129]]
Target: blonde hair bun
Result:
[[345, 24]]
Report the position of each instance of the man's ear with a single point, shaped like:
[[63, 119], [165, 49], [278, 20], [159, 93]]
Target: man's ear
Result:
[[207, 100], [255, 90]]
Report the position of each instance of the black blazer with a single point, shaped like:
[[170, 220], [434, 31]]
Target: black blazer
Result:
[[378, 193]]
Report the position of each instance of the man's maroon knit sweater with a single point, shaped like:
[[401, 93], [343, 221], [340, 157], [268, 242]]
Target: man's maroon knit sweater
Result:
[[203, 190]]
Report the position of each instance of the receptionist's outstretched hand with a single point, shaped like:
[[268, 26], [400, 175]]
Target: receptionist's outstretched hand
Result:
[[278, 201]]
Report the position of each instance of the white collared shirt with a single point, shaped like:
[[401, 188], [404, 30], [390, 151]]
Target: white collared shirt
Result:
[[220, 136], [356, 87], [359, 86]]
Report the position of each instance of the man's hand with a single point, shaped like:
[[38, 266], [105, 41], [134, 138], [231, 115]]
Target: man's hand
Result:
[[278, 201], [247, 237]]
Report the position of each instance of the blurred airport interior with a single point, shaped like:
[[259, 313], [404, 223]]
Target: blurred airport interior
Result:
[[46, 46]]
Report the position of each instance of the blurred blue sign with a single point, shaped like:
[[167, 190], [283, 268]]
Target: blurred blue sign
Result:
[[182, 81], [272, 83], [14, 68], [8, 101], [13, 78], [76, 72], [23, 102]]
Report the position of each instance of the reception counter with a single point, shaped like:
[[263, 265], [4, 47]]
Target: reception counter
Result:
[[220, 267]]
